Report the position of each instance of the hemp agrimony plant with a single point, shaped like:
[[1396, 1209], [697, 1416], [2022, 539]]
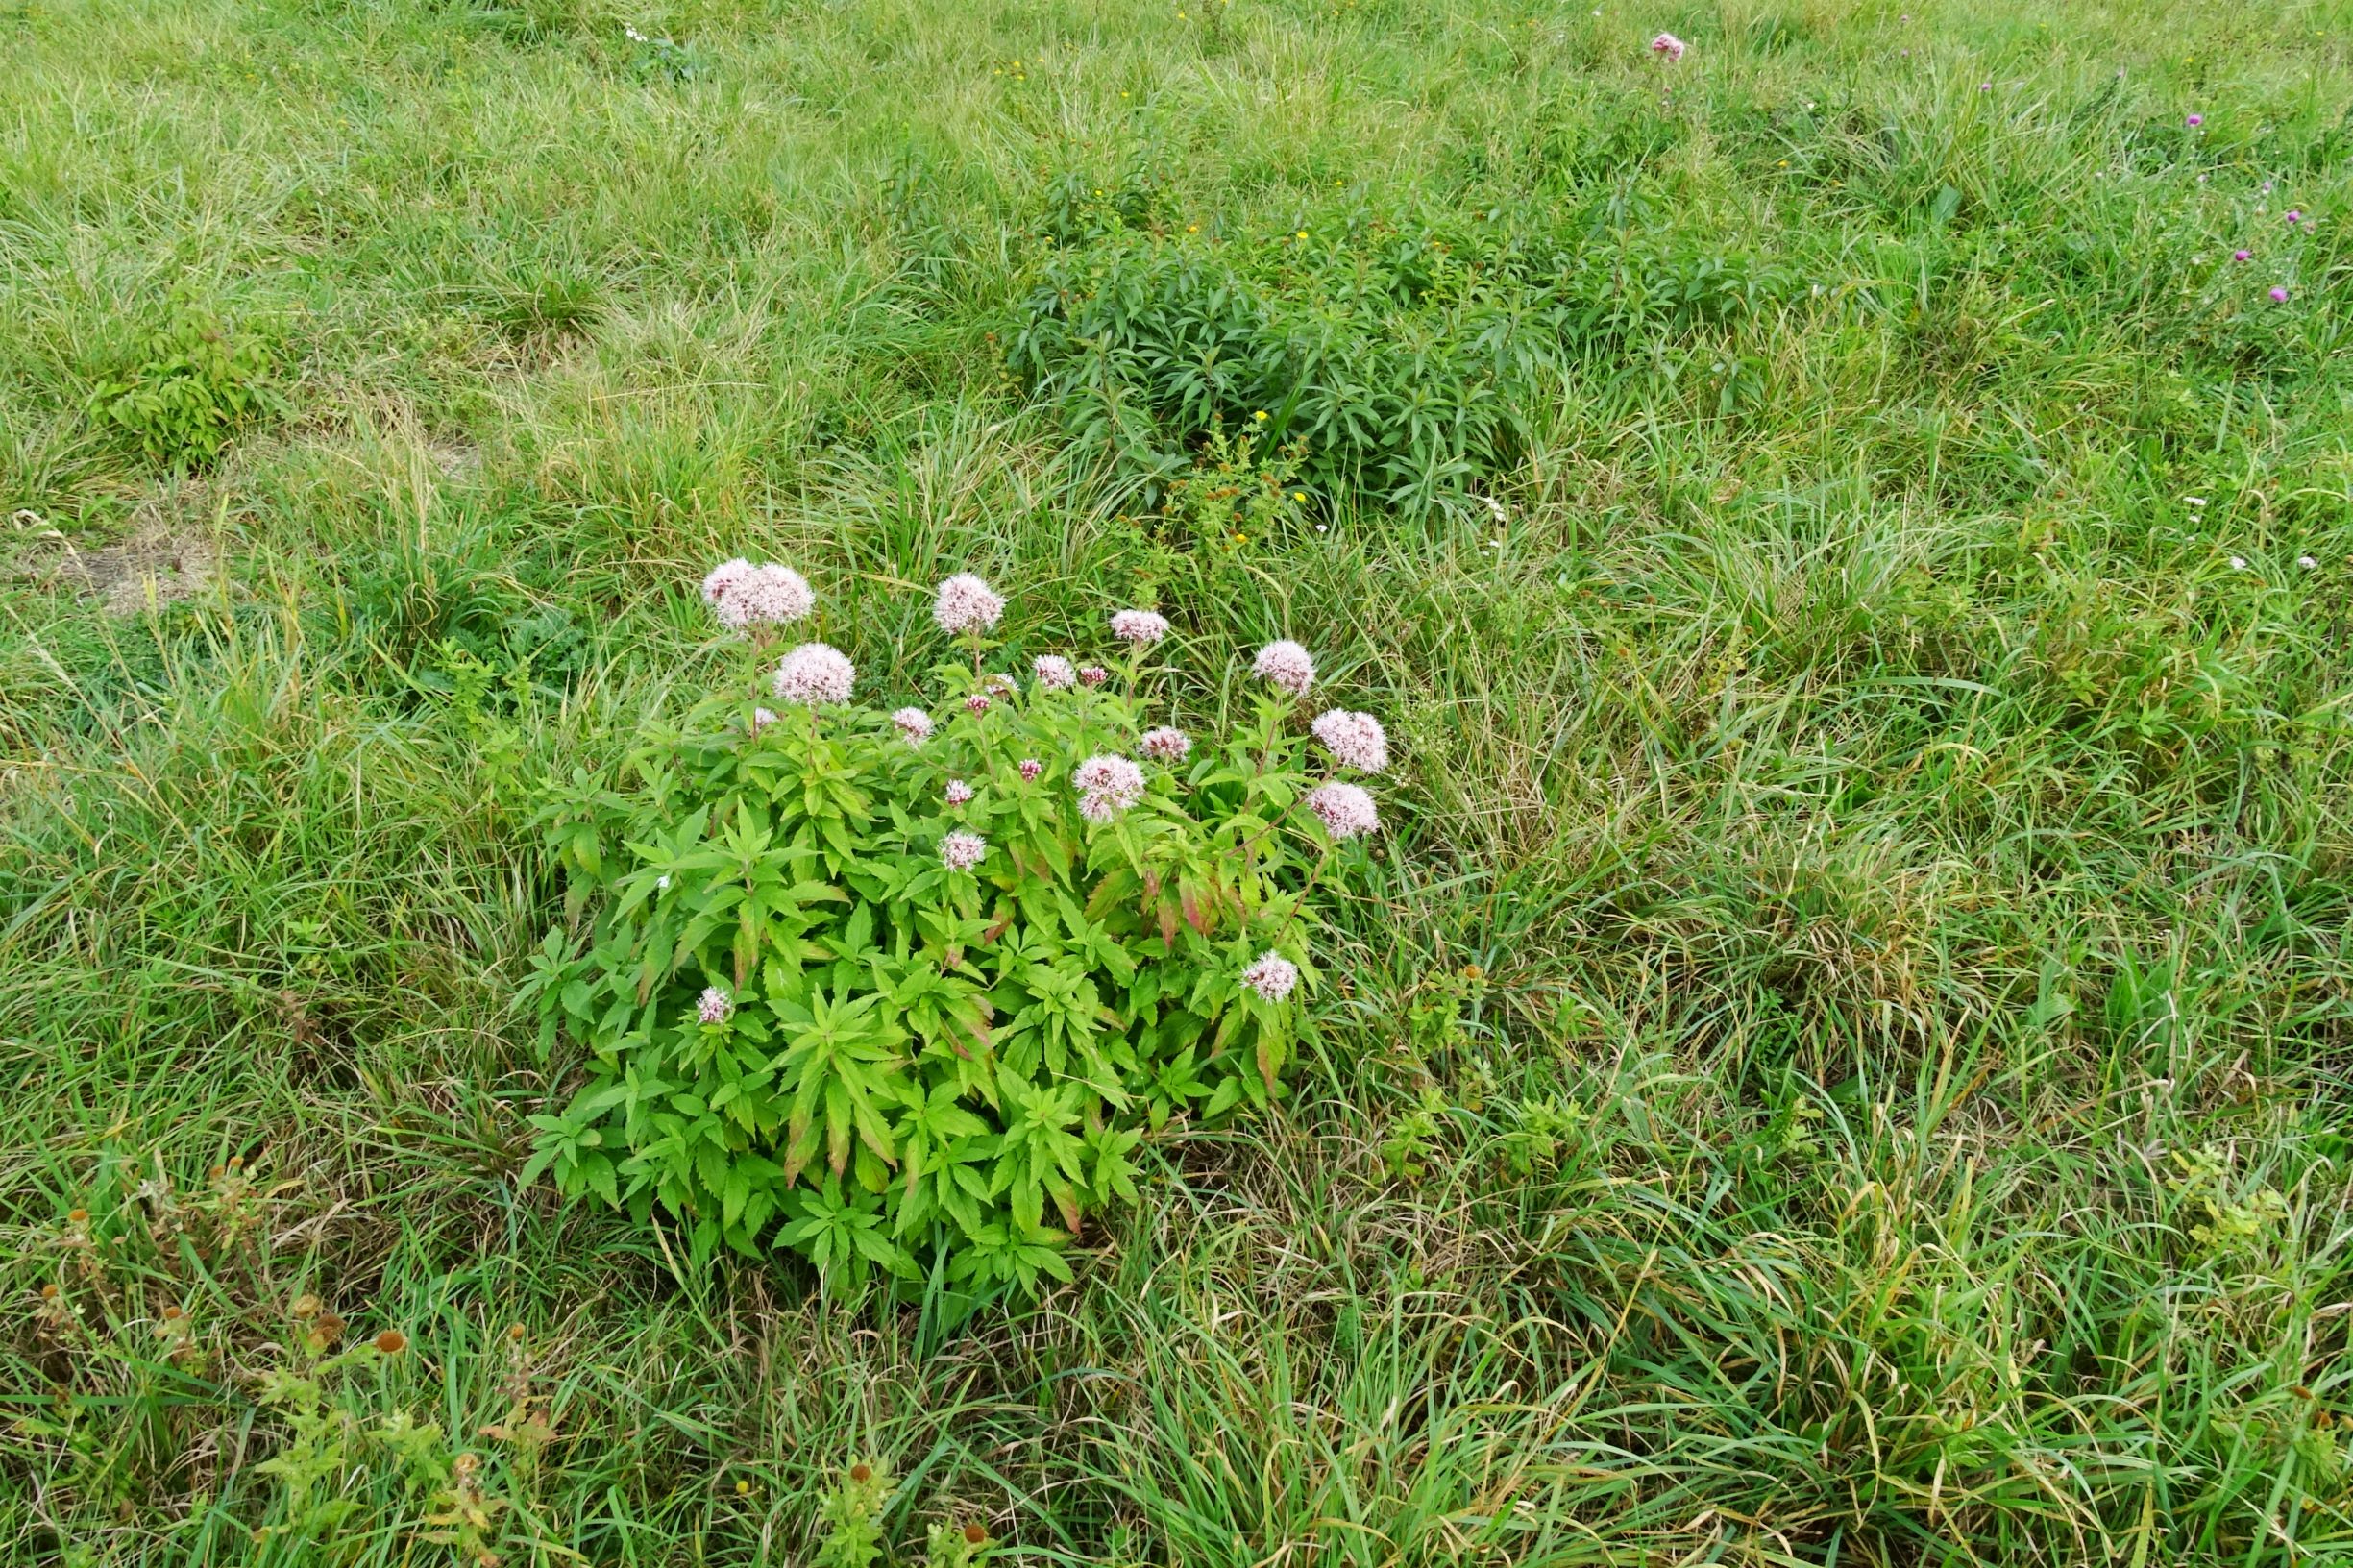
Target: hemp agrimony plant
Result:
[[903, 992]]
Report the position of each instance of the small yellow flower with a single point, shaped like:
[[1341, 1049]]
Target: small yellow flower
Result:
[[1303, 234], [1299, 494], [1260, 415]]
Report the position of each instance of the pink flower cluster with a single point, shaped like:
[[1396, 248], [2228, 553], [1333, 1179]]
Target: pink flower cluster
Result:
[[1054, 673], [1346, 809], [1142, 628], [1286, 666], [742, 595], [1273, 977], [1107, 785], [914, 723], [961, 851], [958, 791], [814, 674], [1031, 768], [1355, 740], [1093, 675], [1668, 47], [1166, 744], [967, 603], [714, 1006]]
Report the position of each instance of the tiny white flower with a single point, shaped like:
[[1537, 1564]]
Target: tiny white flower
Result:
[[2238, 563], [2307, 562], [2193, 500], [661, 883]]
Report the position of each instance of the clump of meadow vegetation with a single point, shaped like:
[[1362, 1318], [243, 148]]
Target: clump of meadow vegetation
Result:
[[1837, 1054]]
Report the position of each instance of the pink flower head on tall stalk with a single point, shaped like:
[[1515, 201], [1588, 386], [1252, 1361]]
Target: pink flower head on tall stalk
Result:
[[714, 1006], [914, 723], [1346, 809], [1287, 666], [1166, 744], [1031, 768], [966, 603], [814, 674], [1668, 47], [1107, 785], [958, 791], [761, 719], [1355, 740], [977, 704], [721, 578], [961, 851], [1273, 977], [999, 685], [1054, 673], [2195, 121], [1142, 628], [742, 595], [1093, 675]]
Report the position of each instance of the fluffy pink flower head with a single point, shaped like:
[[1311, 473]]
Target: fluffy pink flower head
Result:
[[966, 603], [1347, 811], [714, 1006], [1107, 785], [2242, 256], [721, 578], [764, 596], [958, 791], [2279, 296], [2195, 121], [1054, 673], [1166, 744], [1142, 628], [1668, 47], [815, 674], [1287, 665], [1093, 675], [1355, 740], [914, 723], [977, 703], [998, 684], [761, 719], [961, 851], [1031, 768], [1273, 977], [2293, 216]]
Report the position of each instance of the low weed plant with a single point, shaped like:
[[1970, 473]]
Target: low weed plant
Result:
[[902, 992]]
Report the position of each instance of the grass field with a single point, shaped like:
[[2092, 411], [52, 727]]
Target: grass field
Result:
[[1843, 1054]]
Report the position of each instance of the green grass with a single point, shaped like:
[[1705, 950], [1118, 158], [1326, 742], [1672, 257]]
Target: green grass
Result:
[[1899, 1112]]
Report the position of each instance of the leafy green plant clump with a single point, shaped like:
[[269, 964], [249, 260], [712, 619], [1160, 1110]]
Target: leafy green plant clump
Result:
[[903, 992], [1404, 355], [194, 389]]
